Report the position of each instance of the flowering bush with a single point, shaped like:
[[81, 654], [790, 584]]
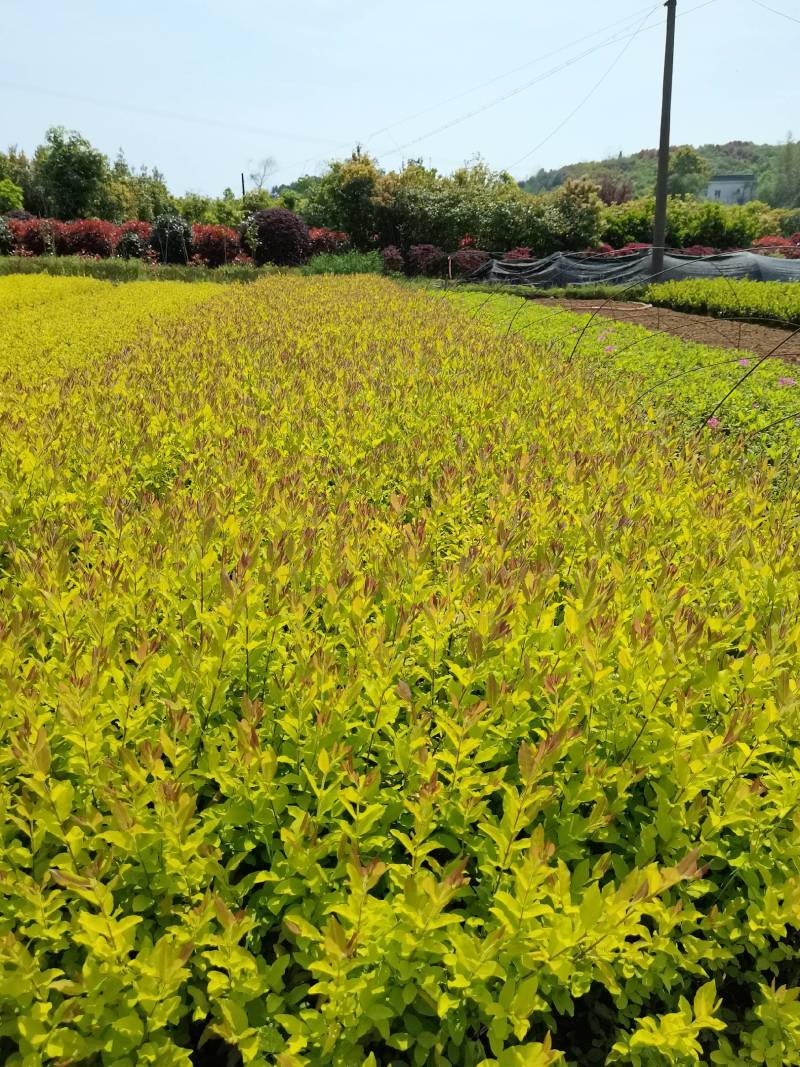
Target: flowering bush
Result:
[[466, 260], [468, 241], [88, 237], [427, 260], [278, 236], [215, 245], [393, 260], [324, 240]]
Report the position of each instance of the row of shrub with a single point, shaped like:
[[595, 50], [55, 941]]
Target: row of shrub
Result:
[[427, 260], [271, 236], [274, 235]]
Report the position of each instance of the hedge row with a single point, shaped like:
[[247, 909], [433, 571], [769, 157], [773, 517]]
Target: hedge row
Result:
[[272, 236]]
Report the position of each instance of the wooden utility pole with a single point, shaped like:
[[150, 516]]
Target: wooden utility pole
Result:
[[242, 185], [660, 227]]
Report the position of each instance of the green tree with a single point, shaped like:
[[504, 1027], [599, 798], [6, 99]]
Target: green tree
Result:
[[72, 173], [575, 215], [786, 189], [134, 194], [10, 196], [345, 195], [19, 169], [689, 173]]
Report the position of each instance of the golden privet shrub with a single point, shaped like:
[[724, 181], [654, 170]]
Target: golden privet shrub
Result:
[[378, 689]]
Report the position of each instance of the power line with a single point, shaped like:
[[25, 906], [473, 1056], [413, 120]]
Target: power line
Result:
[[596, 86], [591, 92], [505, 96], [527, 85], [386, 129], [158, 113], [506, 74], [775, 11]]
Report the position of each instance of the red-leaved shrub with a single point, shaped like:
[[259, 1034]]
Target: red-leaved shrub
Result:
[[87, 237], [324, 240], [428, 260], [133, 241], [35, 237], [141, 229], [278, 236], [215, 245], [698, 250], [393, 261], [467, 260], [519, 253], [772, 240], [467, 241], [630, 247], [774, 245]]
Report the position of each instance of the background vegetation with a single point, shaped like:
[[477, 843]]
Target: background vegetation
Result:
[[776, 167], [68, 179]]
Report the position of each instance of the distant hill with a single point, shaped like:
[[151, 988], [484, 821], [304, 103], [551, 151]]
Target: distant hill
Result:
[[640, 168]]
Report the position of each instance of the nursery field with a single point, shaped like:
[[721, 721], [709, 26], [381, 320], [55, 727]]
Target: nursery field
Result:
[[765, 301], [685, 380], [378, 689]]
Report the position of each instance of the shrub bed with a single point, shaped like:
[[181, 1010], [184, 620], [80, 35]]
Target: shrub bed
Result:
[[381, 688]]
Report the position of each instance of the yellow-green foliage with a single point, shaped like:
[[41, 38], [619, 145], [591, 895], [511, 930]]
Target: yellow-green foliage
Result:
[[63, 322], [664, 371], [375, 690], [779, 301]]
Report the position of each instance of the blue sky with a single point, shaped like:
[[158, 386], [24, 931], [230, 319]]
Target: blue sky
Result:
[[304, 81]]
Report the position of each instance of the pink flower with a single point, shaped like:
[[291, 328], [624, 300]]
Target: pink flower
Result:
[[610, 348], [786, 381], [713, 423], [744, 362]]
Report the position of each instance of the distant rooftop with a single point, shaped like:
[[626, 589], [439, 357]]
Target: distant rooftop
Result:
[[733, 178]]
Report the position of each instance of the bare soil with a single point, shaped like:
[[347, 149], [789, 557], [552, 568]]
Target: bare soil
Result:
[[722, 333]]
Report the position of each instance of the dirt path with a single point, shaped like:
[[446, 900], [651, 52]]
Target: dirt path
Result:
[[723, 333]]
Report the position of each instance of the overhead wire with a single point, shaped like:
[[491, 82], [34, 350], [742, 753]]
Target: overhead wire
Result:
[[617, 59], [160, 113], [534, 81], [506, 74], [599, 82], [499, 77], [505, 96], [775, 11]]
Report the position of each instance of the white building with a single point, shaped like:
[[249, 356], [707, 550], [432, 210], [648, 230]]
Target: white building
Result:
[[732, 188]]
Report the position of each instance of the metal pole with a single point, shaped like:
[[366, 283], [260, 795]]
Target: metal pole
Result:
[[242, 185], [660, 227]]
